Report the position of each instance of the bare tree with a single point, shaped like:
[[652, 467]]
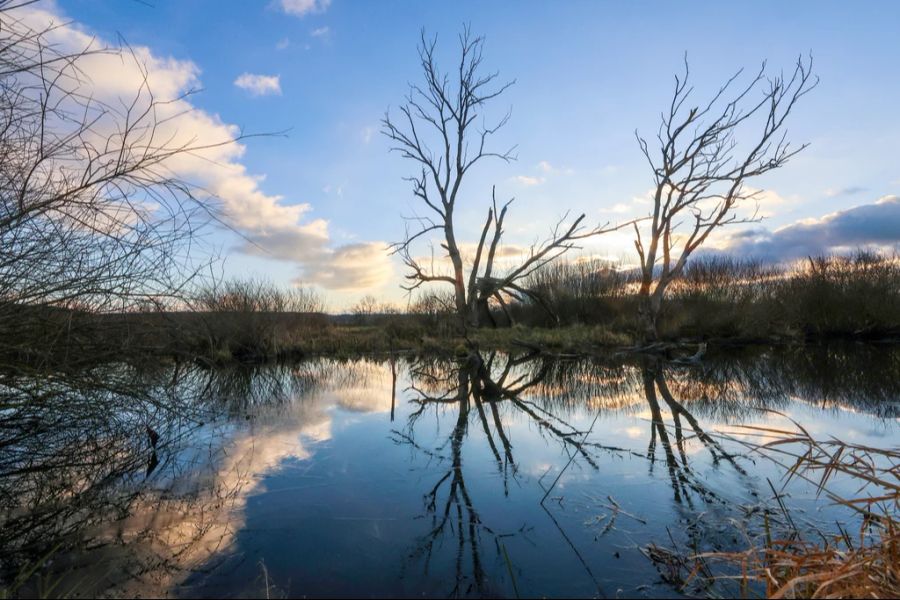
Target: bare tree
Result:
[[701, 171], [92, 214], [441, 128]]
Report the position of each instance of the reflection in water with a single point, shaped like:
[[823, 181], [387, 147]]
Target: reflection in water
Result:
[[682, 478], [88, 473], [476, 382], [135, 480], [74, 443], [469, 385]]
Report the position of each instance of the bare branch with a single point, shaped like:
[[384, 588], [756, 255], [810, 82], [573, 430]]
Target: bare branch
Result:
[[703, 171]]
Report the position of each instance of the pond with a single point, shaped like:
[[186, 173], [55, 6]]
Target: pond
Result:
[[495, 475]]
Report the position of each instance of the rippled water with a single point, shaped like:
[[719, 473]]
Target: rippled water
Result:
[[418, 477]]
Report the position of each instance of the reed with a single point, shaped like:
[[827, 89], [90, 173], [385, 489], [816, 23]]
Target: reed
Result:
[[865, 564]]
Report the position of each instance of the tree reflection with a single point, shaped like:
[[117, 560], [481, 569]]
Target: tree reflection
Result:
[[107, 472], [681, 476], [65, 441], [486, 394], [477, 388]]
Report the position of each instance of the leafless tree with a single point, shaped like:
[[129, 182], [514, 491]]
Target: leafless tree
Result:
[[702, 169], [441, 128], [92, 213]]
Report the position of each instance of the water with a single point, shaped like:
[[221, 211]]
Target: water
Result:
[[420, 477]]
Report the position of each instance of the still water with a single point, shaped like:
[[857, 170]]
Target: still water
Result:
[[519, 476]]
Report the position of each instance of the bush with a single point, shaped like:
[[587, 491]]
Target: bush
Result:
[[724, 297], [253, 319]]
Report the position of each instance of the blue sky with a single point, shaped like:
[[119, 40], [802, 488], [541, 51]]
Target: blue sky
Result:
[[588, 74]]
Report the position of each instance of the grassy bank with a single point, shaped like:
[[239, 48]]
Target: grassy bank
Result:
[[405, 334], [593, 308], [589, 306], [727, 298]]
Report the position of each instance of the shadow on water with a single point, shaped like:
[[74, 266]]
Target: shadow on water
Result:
[[489, 476]]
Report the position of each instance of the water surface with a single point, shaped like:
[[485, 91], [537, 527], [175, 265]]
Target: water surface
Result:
[[524, 476]]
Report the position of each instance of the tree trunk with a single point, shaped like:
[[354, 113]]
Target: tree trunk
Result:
[[483, 313], [648, 310], [462, 308]]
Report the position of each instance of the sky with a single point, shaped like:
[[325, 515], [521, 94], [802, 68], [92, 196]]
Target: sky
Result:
[[319, 202]]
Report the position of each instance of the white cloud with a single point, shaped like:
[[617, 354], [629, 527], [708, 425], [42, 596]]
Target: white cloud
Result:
[[272, 227], [528, 180], [259, 85], [549, 169], [767, 201], [757, 203], [367, 134], [337, 190], [301, 8], [352, 267], [320, 32], [619, 208], [283, 43]]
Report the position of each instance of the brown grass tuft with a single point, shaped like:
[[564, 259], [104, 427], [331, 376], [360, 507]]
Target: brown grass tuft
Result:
[[837, 566]]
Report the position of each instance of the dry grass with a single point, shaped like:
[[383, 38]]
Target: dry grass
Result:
[[797, 569], [853, 296], [866, 565]]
